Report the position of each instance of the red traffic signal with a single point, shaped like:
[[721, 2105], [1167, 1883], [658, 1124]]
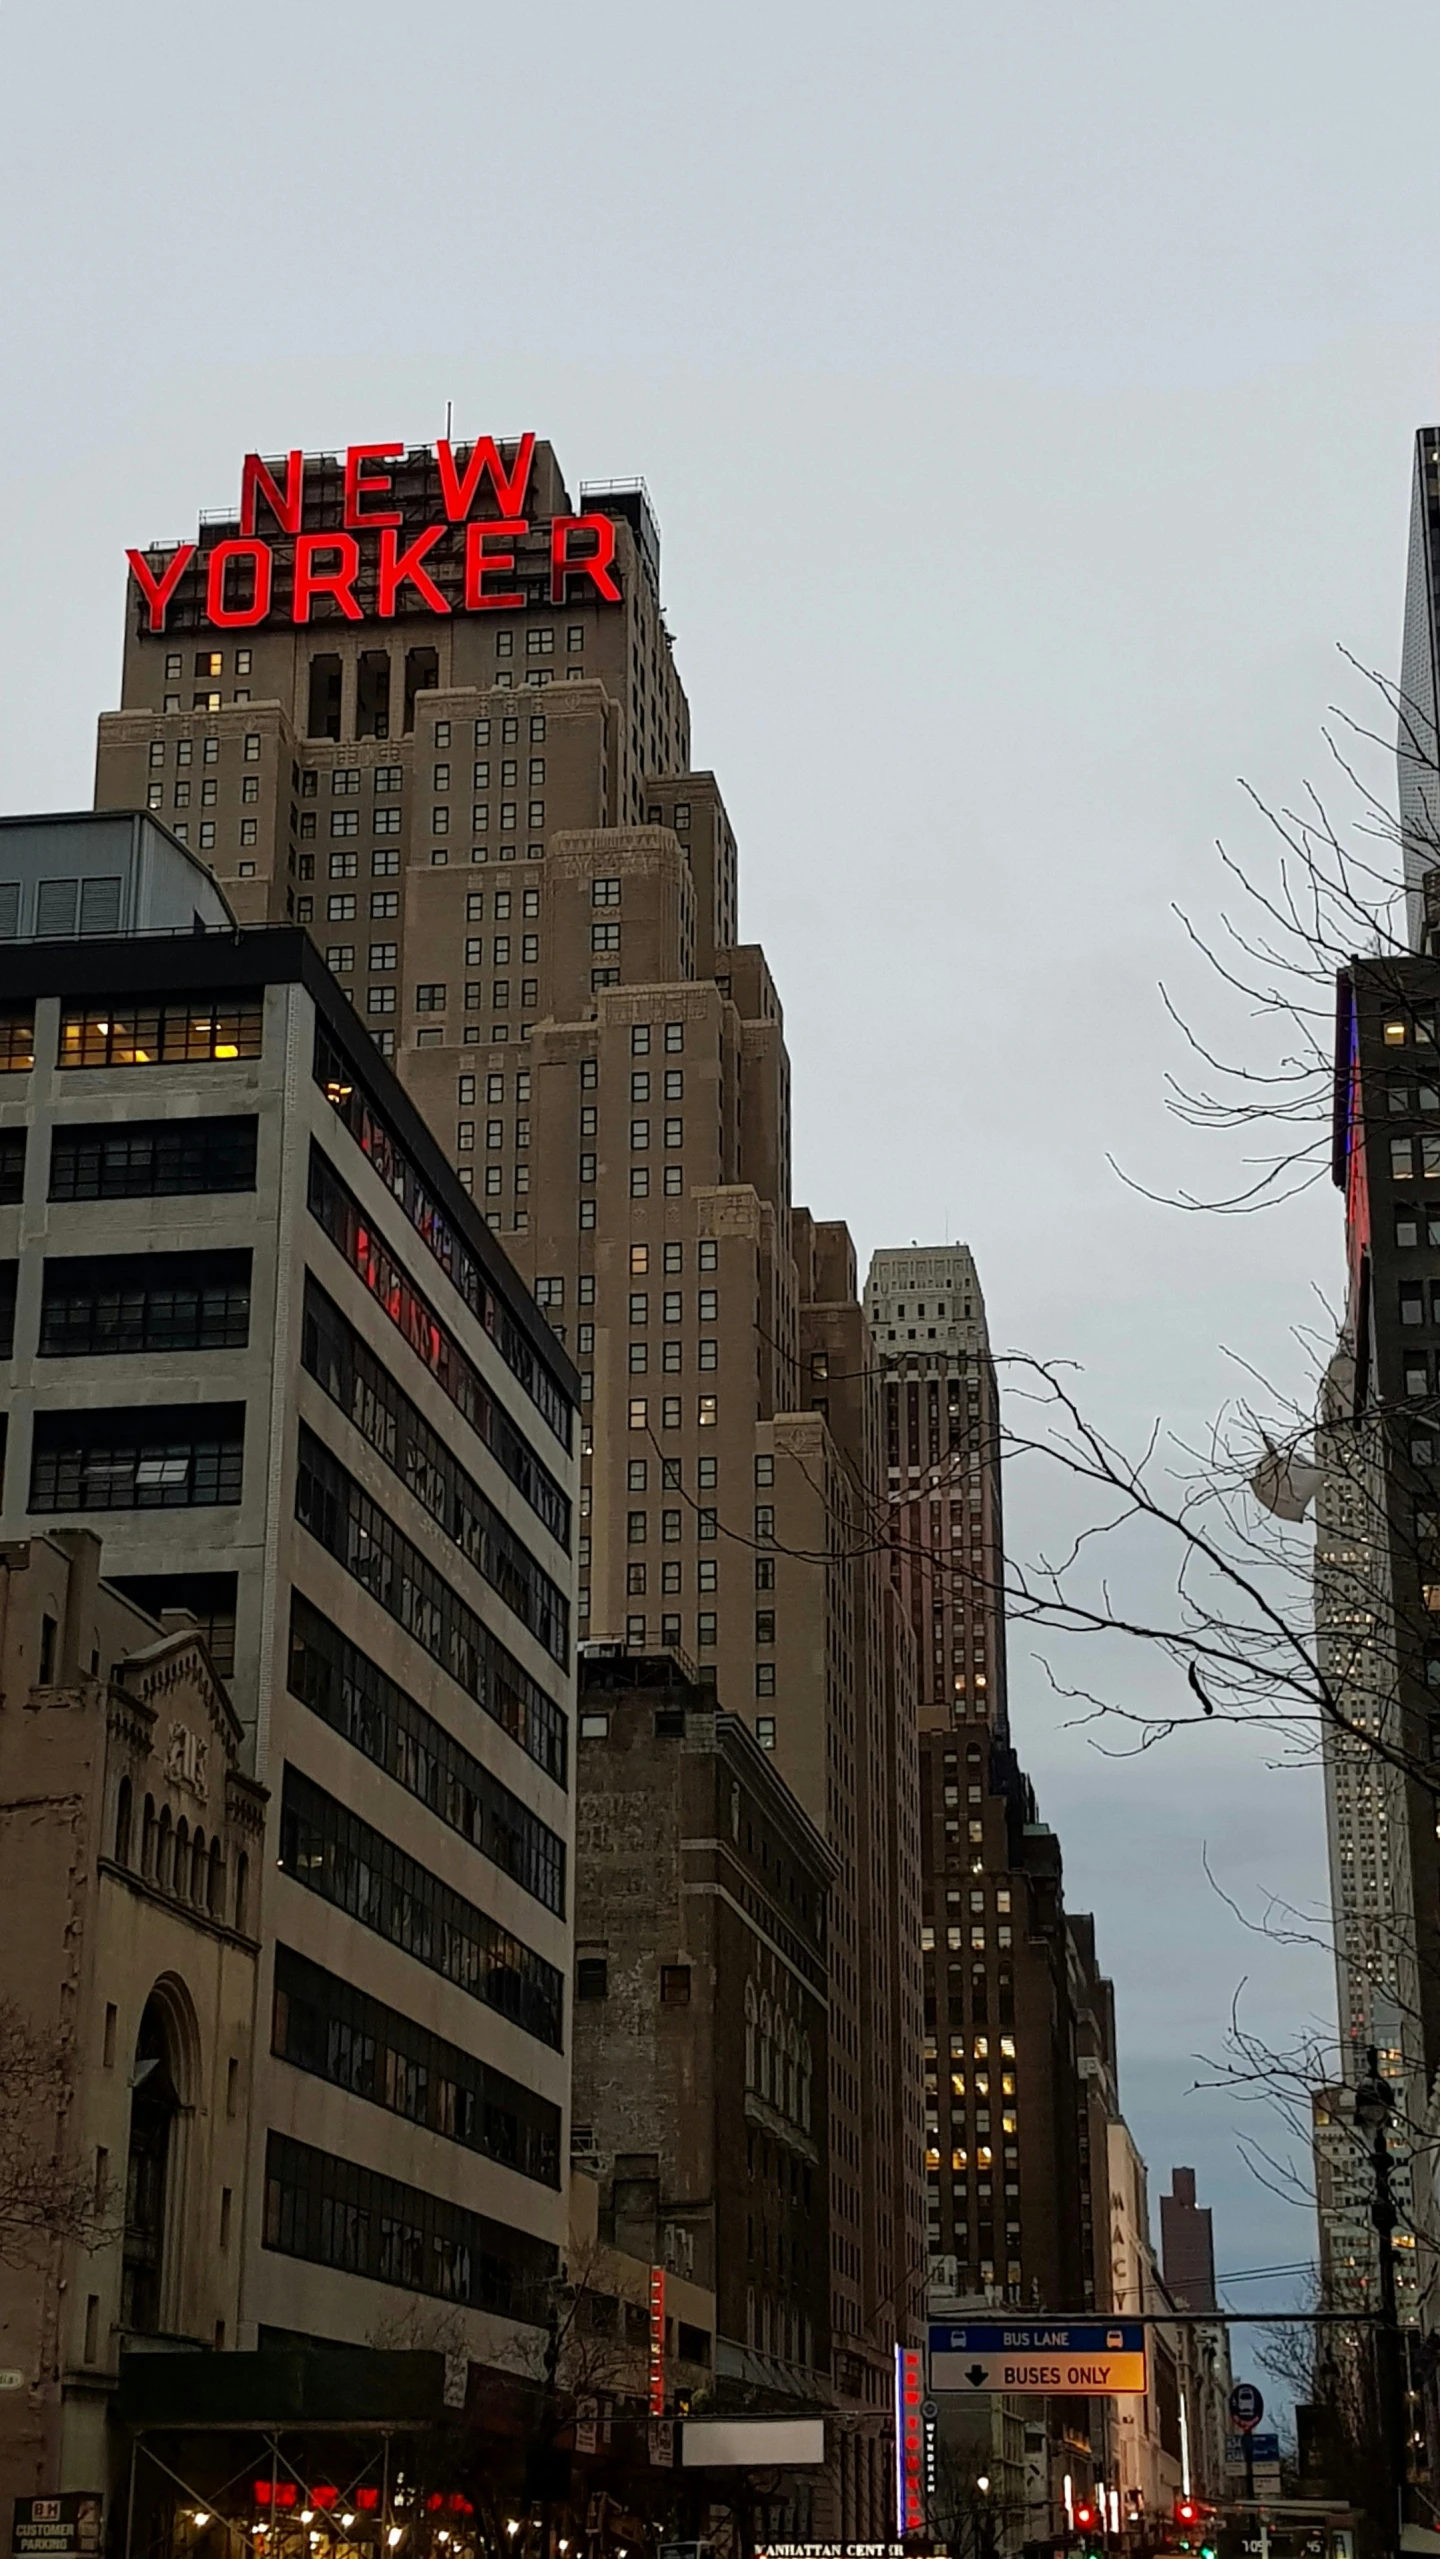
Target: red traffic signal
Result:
[[1187, 2510], [1085, 2518]]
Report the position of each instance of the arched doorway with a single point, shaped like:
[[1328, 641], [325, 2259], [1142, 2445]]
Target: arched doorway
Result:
[[154, 2105]]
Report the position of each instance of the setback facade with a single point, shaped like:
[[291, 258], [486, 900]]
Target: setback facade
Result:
[[487, 820]]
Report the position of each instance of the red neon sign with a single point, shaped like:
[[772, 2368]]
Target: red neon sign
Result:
[[657, 2341], [403, 570]]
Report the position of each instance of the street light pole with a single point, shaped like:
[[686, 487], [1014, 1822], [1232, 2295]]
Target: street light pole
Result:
[[1374, 2105]]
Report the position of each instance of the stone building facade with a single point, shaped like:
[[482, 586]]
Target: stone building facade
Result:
[[131, 1843], [258, 1336]]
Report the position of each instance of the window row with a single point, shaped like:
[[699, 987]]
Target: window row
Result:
[[334, 1854], [377, 1140], [148, 1159], [340, 1216], [159, 1302], [210, 746], [326, 2026], [359, 1383], [331, 2212], [156, 1457], [638, 1413], [356, 1698], [672, 1578], [343, 1519]]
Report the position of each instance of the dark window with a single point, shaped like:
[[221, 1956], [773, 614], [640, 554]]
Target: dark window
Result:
[[151, 1159], [362, 1386], [145, 1302], [376, 1139], [674, 1985], [422, 674], [332, 1852], [9, 1273], [323, 719], [592, 1977], [355, 1697], [160, 1034], [326, 2026], [334, 2213], [208, 1597], [12, 1166], [157, 1457], [363, 1537], [343, 1220]]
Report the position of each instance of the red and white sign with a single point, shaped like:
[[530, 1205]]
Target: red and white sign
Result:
[[657, 2341], [235, 577], [909, 2441]]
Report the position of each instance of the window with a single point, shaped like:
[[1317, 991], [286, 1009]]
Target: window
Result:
[[605, 893], [639, 1182], [604, 937], [151, 1159], [635, 1524], [674, 1035], [349, 1525], [765, 1731], [764, 1626], [388, 778], [340, 956], [357, 1699], [340, 910], [144, 1302], [639, 1413], [639, 1039], [345, 781], [332, 1853], [430, 998], [344, 821], [349, 1372], [380, 999], [674, 1985], [385, 821], [163, 1033], [709, 1312], [705, 1632], [707, 1355], [764, 1679], [592, 1972], [150, 1458], [326, 2026], [384, 907]]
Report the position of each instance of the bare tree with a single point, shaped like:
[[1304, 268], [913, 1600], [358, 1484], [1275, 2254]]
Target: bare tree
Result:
[[43, 2196]]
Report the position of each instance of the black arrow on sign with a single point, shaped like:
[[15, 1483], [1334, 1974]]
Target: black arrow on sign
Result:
[[977, 2375]]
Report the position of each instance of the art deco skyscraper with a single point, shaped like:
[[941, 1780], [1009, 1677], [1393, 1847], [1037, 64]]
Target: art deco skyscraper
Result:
[[465, 766]]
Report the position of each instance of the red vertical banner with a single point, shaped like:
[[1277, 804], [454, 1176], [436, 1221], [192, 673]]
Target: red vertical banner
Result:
[[909, 2441], [657, 2341]]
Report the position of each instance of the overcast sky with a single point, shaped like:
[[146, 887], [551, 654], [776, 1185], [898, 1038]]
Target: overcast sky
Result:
[[1026, 397]]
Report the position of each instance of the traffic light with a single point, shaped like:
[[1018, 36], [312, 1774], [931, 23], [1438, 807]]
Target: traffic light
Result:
[[1085, 2518], [1187, 2510]]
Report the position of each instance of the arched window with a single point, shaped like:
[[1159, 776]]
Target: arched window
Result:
[[806, 2069], [199, 1868], [765, 2079], [147, 1840], [123, 1804], [180, 1880], [165, 1852], [792, 2092], [242, 1892], [215, 1883], [154, 2104]]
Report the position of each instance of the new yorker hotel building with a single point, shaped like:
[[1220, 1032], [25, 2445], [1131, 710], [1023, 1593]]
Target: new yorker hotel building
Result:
[[464, 766], [265, 1348]]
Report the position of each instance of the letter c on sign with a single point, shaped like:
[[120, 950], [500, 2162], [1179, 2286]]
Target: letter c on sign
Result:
[[238, 617]]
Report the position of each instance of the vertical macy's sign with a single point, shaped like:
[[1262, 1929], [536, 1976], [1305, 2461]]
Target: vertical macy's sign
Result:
[[238, 572]]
